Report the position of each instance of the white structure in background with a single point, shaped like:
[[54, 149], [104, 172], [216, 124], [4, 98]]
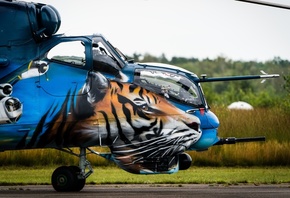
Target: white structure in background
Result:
[[240, 105]]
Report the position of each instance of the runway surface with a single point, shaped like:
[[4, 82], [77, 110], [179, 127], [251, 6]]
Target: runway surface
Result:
[[144, 191]]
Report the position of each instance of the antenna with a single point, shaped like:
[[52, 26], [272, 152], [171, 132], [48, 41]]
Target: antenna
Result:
[[266, 4]]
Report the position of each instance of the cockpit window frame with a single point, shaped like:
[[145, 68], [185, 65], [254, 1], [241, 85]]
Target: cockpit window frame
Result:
[[175, 87], [110, 49], [72, 62]]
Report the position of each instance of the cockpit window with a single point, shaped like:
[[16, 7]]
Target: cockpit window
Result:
[[69, 52], [106, 59], [103, 60], [172, 86]]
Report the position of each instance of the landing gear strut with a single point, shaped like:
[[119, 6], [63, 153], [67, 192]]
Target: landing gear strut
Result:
[[72, 178]]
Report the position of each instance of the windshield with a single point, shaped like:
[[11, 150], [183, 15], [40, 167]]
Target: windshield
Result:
[[104, 58], [123, 57], [172, 86]]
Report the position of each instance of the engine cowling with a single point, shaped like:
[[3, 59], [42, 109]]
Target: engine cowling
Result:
[[29, 20]]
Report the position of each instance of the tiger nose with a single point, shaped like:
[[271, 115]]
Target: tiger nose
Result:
[[193, 125]]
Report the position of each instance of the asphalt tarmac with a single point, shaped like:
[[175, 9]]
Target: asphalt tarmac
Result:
[[156, 191]]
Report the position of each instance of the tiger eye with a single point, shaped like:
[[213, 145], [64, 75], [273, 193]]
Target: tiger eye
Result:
[[145, 107]]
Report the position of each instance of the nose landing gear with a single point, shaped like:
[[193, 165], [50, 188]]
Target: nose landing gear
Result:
[[72, 178]]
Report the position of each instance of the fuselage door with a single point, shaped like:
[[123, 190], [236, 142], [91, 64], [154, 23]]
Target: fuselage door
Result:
[[64, 73]]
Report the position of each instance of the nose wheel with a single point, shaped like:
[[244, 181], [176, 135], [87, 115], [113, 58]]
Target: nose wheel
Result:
[[71, 178], [65, 178]]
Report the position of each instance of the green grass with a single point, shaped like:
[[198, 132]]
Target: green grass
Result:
[[194, 175]]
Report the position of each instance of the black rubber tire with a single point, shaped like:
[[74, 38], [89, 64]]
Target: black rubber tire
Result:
[[80, 183], [184, 161], [64, 179]]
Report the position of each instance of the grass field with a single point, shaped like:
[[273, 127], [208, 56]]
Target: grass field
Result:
[[194, 175]]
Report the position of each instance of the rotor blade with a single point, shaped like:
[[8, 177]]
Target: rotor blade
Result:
[[266, 4]]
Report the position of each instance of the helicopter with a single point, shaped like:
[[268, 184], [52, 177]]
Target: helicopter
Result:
[[65, 92]]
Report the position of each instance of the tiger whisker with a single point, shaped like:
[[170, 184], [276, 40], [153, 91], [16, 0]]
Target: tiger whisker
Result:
[[158, 143], [140, 147], [136, 144]]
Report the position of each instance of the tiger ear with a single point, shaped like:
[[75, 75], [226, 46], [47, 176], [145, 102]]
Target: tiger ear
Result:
[[94, 90], [99, 81], [97, 86]]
